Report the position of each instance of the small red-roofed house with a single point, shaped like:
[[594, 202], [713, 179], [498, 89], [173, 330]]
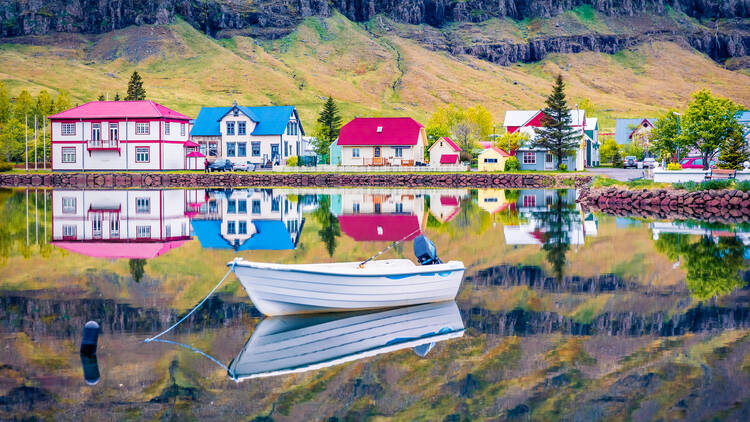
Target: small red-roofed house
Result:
[[119, 135], [382, 141], [444, 152], [493, 159]]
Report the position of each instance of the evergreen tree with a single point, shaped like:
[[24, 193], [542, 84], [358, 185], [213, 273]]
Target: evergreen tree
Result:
[[6, 108], [329, 126], [330, 228], [117, 96], [137, 269], [556, 134], [733, 152], [617, 158], [101, 97], [135, 88]]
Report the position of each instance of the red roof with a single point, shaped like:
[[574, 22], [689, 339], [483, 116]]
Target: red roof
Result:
[[119, 109], [449, 159], [451, 143], [485, 144], [501, 151], [448, 201], [379, 227], [380, 131], [117, 250]]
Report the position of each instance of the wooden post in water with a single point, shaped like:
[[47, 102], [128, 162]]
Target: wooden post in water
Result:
[[26, 133]]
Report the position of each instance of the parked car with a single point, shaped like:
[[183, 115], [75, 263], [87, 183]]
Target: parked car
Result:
[[630, 161], [222, 164], [695, 163], [246, 166], [649, 162]]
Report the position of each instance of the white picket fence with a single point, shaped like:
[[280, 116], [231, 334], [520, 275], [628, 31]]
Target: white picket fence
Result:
[[328, 168]]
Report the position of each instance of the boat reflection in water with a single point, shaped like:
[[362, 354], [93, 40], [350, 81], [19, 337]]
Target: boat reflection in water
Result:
[[299, 343]]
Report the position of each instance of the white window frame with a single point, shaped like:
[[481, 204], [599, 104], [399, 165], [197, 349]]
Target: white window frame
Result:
[[67, 153], [68, 205], [139, 128], [355, 152], [182, 129], [69, 230], [139, 154], [167, 128], [68, 129], [142, 205], [143, 232], [529, 157]]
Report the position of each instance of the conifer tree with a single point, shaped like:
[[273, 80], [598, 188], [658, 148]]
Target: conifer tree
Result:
[[733, 152], [6, 109], [135, 88], [117, 96], [556, 133], [101, 97], [329, 126]]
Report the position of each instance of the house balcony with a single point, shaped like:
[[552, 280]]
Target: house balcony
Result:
[[381, 161], [99, 145]]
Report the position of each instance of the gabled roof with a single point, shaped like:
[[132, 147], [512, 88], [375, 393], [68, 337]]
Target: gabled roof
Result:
[[380, 131], [519, 118], [121, 109], [271, 120], [270, 235], [448, 141], [500, 151], [623, 128], [592, 123]]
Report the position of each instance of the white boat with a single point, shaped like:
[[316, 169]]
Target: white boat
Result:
[[278, 289], [299, 343]]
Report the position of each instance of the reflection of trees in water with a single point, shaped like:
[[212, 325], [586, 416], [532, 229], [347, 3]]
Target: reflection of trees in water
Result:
[[136, 269], [557, 223], [330, 228], [713, 267], [13, 223]]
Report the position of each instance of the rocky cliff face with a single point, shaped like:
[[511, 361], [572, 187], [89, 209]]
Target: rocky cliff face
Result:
[[276, 18]]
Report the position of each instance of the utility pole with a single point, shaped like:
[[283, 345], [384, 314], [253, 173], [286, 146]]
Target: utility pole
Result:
[[44, 144], [679, 132], [26, 133], [35, 144]]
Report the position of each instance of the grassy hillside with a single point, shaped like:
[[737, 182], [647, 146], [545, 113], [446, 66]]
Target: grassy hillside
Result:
[[372, 72]]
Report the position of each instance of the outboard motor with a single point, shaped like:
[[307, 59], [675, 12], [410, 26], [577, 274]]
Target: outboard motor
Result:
[[425, 251]]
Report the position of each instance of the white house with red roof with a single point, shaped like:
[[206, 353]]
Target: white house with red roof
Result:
[[444, 152], [384, 216], [382, 141], [119, 135]]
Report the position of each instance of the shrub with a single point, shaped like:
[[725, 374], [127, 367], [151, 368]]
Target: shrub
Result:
[[512, 164], [617, 159], [563, 167], [715, 184], [5, 167], [743, 186], [674, 166], [688, 186], [292, 161], [465, 157]]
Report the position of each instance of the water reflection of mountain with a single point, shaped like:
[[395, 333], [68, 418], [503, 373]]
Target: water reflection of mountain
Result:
[[245, 219], [136, 224]]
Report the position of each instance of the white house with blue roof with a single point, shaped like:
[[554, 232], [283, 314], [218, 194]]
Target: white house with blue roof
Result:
[[256, 135]]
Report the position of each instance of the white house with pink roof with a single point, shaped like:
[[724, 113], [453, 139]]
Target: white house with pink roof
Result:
[[119, 135], [444, 152]]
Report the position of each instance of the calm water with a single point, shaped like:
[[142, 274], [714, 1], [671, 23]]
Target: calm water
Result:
[[566, 314]]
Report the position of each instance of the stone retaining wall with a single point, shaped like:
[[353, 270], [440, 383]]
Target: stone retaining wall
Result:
[[161, 180], [728, 206]]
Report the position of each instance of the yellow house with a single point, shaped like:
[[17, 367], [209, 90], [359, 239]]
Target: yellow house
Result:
[[493, 159]]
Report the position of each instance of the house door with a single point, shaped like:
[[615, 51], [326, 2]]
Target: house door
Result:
[[377, 152], [588, 153], [113, 134], [549, 161]]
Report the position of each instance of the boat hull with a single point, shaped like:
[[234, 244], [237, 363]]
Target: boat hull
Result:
[[294, 289]]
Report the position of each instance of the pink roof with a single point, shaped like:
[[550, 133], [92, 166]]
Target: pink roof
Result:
[[194, 154], [190, 144], [119, 109], [449, 201], [485, 144], [118, 250], [364, 227], [501, 151], [451, 143], [449, 159], [393, 131]]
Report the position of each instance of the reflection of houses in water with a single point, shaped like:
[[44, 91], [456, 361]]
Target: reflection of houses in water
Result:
[[535, 205], [248, 220], [120, 223], [387, 215], [445, 204], [658, 228], [494, 201]]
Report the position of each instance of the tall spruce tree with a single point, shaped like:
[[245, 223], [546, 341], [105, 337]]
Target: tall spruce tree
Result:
[[135, 88], [556, 133], [117, 96], [733, 152], [329, 126]]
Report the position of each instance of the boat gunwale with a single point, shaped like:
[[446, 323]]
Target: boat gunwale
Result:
[[425, 269]]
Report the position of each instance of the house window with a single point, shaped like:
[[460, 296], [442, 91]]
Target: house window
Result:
[[166, 127], [202, 148], [69, 155], [113, 132], [256, 206], [231, 149], [142, 205], [182, 129], [212, 149], [96, 133], [549, 158], [291, 128], [355, 152], [69, 230], [242, 206], [114, 229], [68, 129], [242, 229], [529, 157], [398, 152], [400, 208], [230, 128], [490, 160], [232, 207], [529, 201], [235, 112], [142, 128], [143, 232], [142, 154], [242, 128], [167, 231], [355, 208], [275, 207], [231, 227], [241, 149], [286, 149], [256, 149], [68, 205]]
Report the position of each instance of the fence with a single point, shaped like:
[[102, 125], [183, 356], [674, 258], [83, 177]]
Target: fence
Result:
[[328, 168]]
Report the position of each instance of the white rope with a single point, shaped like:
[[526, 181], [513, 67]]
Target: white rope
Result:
[[150, 339], [387, 248]]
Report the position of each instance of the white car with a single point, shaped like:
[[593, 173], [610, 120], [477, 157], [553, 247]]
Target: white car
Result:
[[247, 166], [649, 162]]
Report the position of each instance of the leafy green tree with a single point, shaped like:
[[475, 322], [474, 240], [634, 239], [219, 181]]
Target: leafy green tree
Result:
[[556, 133], [43, 106], [24, 106], [465, 126], [62, 102], [6, 108], [510, 142], [328, 128], [733, 152], [713, 268], [137, 269], [635, 149], [330, 228], [608, 149], [443, 120], [665, 137], [708, 122], [136, 91], [436, 132], [13, 138], [481, 121]]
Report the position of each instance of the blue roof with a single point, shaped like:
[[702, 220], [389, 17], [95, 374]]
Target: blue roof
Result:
[[623, 128], [271, 120], [272, 235]]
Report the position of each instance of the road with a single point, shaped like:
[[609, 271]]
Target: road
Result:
[[617, 173]]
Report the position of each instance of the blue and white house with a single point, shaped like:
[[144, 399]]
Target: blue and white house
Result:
[[256, 135]]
